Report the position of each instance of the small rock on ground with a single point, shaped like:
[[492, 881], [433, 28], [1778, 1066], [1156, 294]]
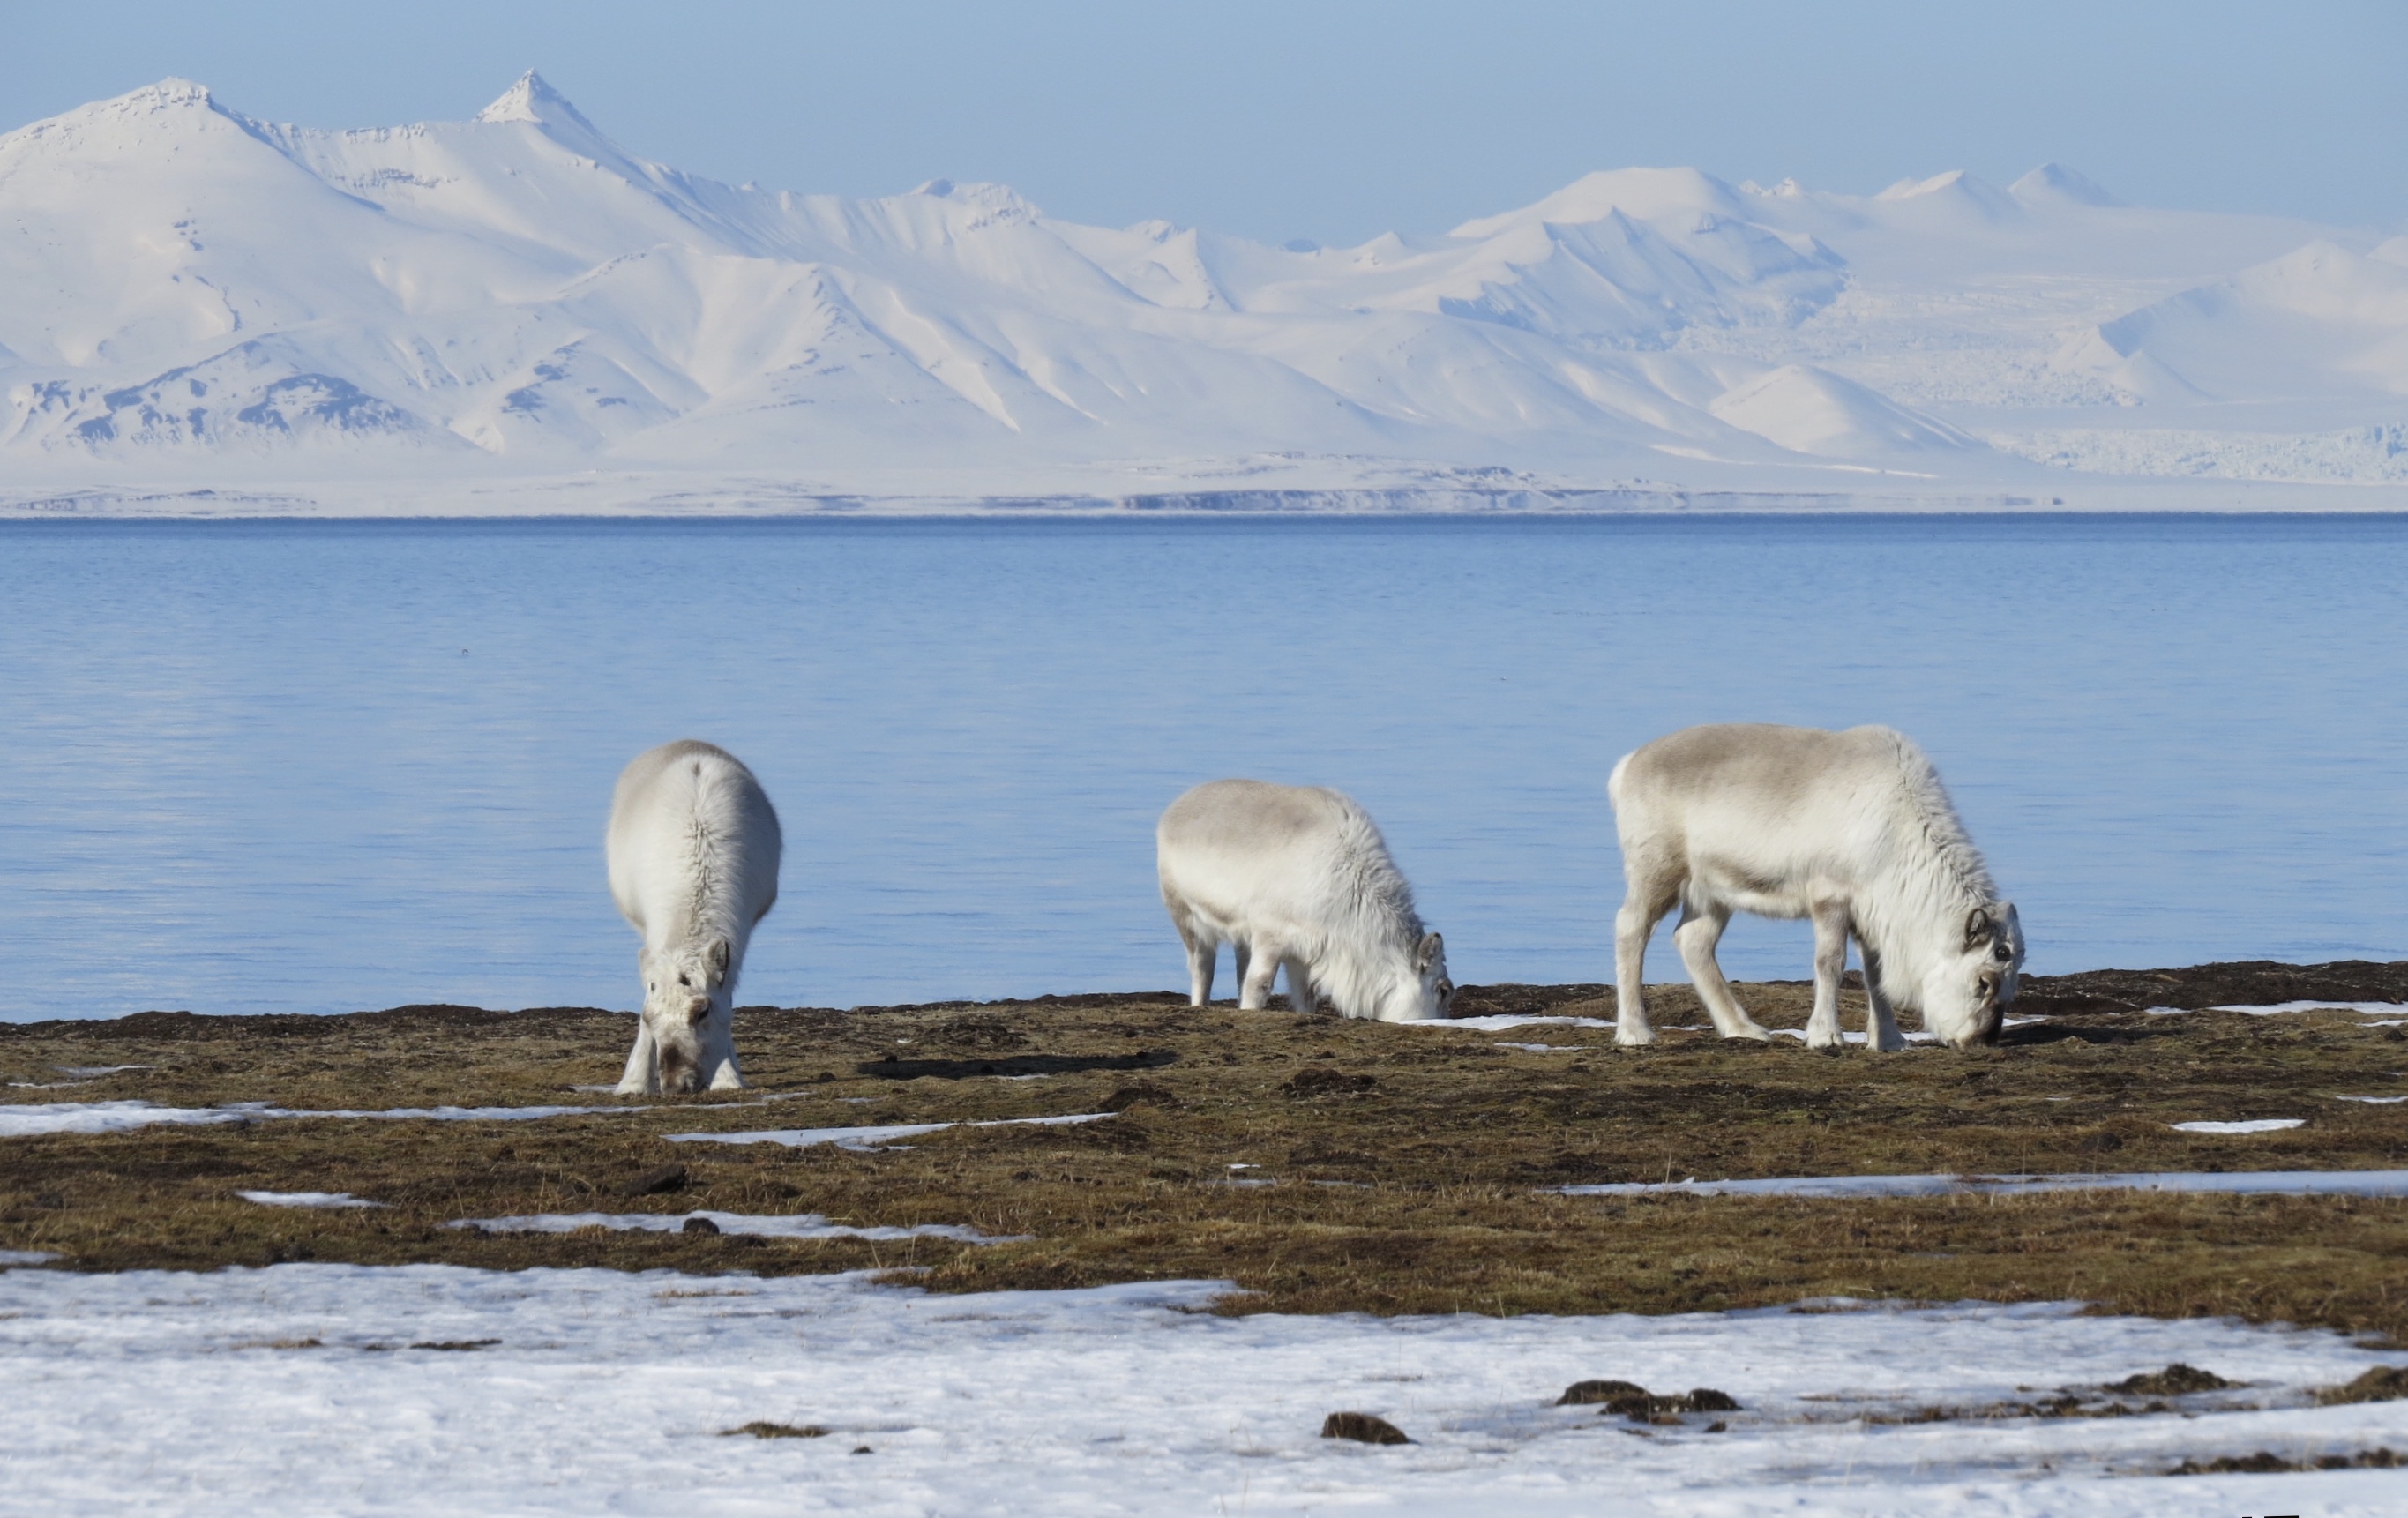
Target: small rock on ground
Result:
[[2176, 1380], [1363, 1429]]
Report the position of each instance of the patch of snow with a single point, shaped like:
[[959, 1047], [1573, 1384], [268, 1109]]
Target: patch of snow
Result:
[[595, 1390], [2376, 1101], [2370, 1009], [305, 1199], [103, 1117], [863, 1139], [1500, 1022], [25, 1256], [2242, 1183], [797, 1225], [118, 1116], [2258, 1125], [86, 1072], [2366, 1008], [434, 1114], [1546, 1049]]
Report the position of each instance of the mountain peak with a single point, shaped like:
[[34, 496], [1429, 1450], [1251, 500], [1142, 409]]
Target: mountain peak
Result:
[[1914, 189], [2055, 181], [171, 90], [1639, 194], [532, 100]]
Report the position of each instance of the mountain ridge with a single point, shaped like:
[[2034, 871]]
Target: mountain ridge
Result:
[[190, 291]]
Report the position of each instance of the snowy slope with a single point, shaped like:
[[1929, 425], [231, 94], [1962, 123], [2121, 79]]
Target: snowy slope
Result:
[[2320, 322], [187, 294]]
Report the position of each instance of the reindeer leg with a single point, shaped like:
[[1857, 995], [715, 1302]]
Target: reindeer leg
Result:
[[1881, 1018], [1254, 983], [1641, 910], [1830, 961], [1202, 957], [1696, 937], [1299, 989], [643, 1076], [719, 1053]]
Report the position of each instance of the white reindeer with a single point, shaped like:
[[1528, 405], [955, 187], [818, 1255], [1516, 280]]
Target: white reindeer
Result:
[[1297, 875], [1852, 830], [693, 848]]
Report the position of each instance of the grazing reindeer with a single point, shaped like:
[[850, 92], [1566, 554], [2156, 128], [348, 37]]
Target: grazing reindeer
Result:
[[1852, 830], [1297, 875], [693, 865]]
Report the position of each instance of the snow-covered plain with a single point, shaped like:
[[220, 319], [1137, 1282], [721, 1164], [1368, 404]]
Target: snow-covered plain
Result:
[[205, 313], [298, 1388]]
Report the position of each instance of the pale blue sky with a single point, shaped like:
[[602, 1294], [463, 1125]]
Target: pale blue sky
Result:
[[1328, 119]]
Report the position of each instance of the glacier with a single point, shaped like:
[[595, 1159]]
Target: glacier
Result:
[[205, 313]]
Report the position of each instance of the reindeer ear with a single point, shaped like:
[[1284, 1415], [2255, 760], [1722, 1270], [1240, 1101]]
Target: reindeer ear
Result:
[[720, 953], [1427, 954], [1978, 926]]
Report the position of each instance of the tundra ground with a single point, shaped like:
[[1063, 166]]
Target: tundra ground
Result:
[[1323, 1164]]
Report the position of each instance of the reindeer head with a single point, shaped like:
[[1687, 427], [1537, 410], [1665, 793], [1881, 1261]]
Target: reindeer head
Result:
[[1965, 999], [1427, 992], [683, 987]]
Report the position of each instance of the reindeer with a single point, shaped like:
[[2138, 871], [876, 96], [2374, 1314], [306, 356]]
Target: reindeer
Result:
[[692, 848], [1851, 830], [1297, 875]]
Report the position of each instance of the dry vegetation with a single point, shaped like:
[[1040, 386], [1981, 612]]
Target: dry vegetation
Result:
[[1412, 1168]]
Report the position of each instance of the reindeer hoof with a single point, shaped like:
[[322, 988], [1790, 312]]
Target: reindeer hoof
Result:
[[1637, 1039]]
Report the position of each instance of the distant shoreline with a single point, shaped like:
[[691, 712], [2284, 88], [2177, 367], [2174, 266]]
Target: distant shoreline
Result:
[[2307, 503]]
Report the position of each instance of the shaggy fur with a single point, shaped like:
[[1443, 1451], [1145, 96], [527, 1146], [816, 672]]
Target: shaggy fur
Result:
[[693, 848], [1852, 830], [1297, 875]]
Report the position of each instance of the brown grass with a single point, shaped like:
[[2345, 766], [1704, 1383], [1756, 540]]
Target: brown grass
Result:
[[1413, 1168]]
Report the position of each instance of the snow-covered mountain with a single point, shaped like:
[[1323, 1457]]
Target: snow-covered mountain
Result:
[[189, 296]]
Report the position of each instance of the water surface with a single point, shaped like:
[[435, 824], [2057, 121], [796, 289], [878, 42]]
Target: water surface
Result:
[[323, 767]]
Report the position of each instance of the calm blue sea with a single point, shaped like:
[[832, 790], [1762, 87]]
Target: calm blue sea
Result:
[[259, 766]]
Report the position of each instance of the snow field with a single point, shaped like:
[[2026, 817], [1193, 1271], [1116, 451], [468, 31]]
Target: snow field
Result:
[[296, 1388]]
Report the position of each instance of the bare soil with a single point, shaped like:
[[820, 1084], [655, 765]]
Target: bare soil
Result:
[[1410, 1169]]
